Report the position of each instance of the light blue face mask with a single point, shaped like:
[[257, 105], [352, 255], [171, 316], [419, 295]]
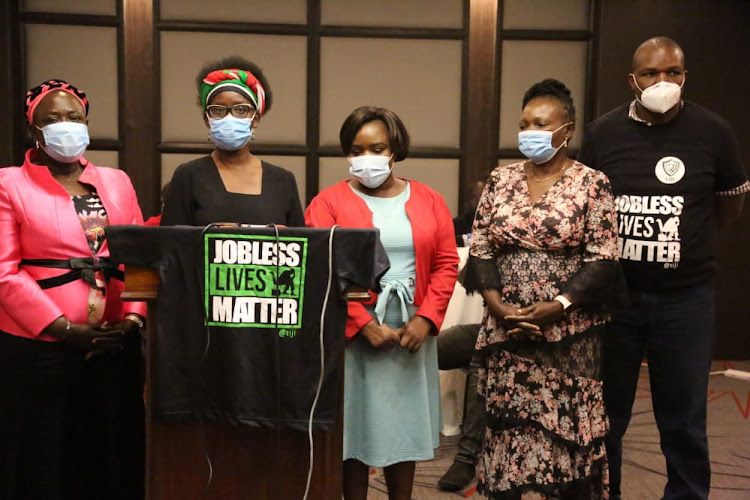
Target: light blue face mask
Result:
[[230, 133], [536, 145], [65, 141]]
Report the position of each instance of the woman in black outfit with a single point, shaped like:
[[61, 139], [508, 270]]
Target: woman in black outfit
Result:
[[231, 184]]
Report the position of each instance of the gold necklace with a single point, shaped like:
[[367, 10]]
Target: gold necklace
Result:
[[537, 179], [73, 176]]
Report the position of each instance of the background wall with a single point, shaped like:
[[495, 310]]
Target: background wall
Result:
[[439, 64], [454, 70]]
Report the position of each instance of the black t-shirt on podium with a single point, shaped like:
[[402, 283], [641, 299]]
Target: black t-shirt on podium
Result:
[[665, 179], [257, 361]]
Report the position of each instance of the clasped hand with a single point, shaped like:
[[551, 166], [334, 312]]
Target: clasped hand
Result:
[[93, 340], [411, 336], [529, 320]]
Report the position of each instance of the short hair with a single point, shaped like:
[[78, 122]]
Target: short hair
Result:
[[552, 88], [656, 42], [235, 62], [398, 137]]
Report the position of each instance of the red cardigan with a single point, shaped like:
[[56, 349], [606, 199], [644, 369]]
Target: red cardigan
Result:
[[434, 245]]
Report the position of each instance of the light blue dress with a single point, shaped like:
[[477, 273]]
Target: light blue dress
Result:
[[392, 397]]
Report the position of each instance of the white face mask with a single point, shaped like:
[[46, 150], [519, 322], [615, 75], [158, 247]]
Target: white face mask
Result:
[[660, 97], [65, 141], [370, 170]]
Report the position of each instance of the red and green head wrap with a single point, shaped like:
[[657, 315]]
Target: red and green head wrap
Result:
[[237, 80], [35, 96]]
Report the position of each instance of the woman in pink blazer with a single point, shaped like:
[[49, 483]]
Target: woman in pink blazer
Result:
[[71, 414]]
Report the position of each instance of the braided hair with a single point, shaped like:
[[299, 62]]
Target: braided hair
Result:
[[552, 88], [35, 95]]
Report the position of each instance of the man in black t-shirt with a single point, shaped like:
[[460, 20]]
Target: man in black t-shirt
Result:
[[677, 177]]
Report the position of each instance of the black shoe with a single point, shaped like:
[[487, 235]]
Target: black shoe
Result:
[[457, 477]]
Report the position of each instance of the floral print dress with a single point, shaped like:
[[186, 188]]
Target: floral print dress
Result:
[[94, 220], [543, 396]]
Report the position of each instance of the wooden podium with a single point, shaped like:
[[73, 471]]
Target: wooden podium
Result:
[[221, 461]]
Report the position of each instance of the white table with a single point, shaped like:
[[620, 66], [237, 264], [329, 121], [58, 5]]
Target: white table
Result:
[[463, 309]]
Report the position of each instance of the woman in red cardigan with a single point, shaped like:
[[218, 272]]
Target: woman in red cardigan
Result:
[[391, 389], [71, 413]]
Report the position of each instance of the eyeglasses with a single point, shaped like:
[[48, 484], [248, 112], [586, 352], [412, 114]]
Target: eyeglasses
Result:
[[218, 112]]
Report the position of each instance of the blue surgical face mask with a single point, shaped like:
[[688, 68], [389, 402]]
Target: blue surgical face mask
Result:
[[65, 141], [230, 133], [370, 170], [536, 145]]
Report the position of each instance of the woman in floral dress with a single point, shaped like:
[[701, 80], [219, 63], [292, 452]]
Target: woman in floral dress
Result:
[[543, 255]]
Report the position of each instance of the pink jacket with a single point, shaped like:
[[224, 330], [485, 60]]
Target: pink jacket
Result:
[[38, 221], [434, 245]]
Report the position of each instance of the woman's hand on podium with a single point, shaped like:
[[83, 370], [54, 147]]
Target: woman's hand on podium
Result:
[[381, 337], [127, 326]]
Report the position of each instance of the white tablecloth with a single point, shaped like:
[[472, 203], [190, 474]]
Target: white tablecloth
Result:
[[463, 309]]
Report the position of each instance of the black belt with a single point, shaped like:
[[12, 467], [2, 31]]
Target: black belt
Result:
[[80, 268]]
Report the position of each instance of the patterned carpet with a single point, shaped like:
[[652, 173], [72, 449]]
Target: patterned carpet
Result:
[[644, 472]]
